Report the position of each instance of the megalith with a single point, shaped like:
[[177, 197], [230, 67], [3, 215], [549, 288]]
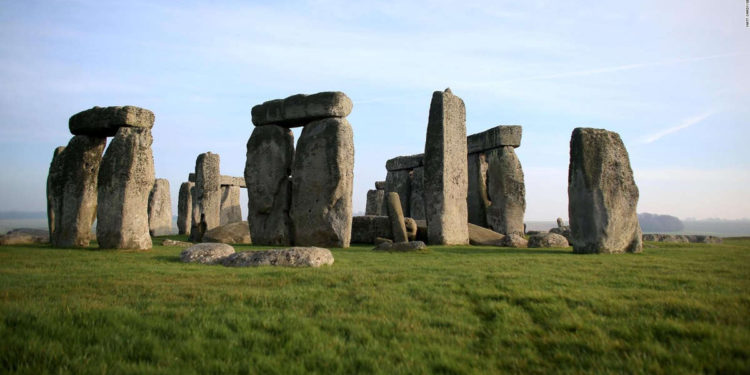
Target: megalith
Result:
[[300, 110], [208, 188], [477, 199], [396, 216], [230, 205], [184, 208], [506, 191], [160, 209], [270, 153], [126, 178], [602, 194], [374, 204], [445, 171], [54, 189], [399, 178]]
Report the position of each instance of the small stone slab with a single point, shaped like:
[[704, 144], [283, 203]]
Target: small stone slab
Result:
[[401, 246], [168, 242], [479, 236], [405, 162], [237, 233], [289, 257], [499, 136], [104, 121], [515, 240], [206, 253], [24, 236], [548, 240], [299, 110]]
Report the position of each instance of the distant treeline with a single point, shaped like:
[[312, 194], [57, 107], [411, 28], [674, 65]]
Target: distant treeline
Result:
[[659, 223]]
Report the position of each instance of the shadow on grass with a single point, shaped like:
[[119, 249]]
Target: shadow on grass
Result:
[[168, 258]]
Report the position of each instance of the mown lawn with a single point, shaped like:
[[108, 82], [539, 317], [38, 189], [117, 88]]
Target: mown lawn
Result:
[[672, 309]]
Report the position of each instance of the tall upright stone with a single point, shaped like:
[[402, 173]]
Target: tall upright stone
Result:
[[184, 208], [506, 191], [416, 200], [126, 178], [445, 174], [322, 179], [195, 215], [160, 209], [55, 184], [477, 198], [374, 204], [602, 195], [76, 190], [208, 188], [396, 216], [399, 181], [270, 153], [230, 204]]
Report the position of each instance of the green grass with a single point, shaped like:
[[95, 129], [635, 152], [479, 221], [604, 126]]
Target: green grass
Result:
[[672, 309]]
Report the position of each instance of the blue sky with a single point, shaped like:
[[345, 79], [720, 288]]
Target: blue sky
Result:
[[672, 77]]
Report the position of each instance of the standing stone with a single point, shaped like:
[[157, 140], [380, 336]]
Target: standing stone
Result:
[[445, 175], [506, 191], [322, 180], [160, 209], [399, 181], [477, 199], [184, 208], [77, 191], [208, 189], [270, 153], [602, 195], [55, 184], [396, 216], [195, 213], [374, 202], [230, 204], [416, 200], [125, 182]]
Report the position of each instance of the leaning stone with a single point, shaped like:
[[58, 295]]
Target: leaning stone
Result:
[[416, 199], [206, 253], [548, 240], [55, 184], [445, 176], [168, 242], [104, 121], [125, 182], [477, 200], [405, 162], [399, 182], [602, 195], [230, 205], [499, 136], [514, 240], [77, 191], [380, 185], [396, 216], [375, 200], [365, 229], [208, 188], [411, 228], [184, 208], [506, 191], [160, 209], [322, 179], [401, 246], [290, 257], [270, 153], [299, 110], [25, 236], [479, 236], [235, 233]]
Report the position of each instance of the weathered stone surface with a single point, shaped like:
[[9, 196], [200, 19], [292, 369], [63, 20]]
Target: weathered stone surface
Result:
[[380, 240], [399, 182], [206, 253], [191, 177], [195, 213], [445, 175], [160, 209], [564, 231], [77, 191], [126, 178], [232, 181], [299, 110], [499, 136], [365, 229], [236, 233], [231, 212], [401, 246], [405, 162], [104, 121], [168, 242], [548, 240], [322, 179], [506, 191], [411, 228], [479, 236], [55, 183], [560, 222], [375, 200], [270, 153], [185, 208], [208, 188], [421, 230], [515, 240], [396, 216], [416, 200], [673, 238], [291, 257], [25, 236], [477, 199], [602, 195], [380, 185]]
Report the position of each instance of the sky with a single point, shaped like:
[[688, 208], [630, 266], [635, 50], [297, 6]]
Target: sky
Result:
[[671, 77]]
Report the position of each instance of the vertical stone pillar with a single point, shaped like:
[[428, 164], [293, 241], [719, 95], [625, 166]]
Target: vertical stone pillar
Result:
[[506, 191], [477, 198], [55, 184], [195, 213], [374, 202], [416, 201], [445, 175], [399, 181], [160, 209], [230, 204], [184, 208], [208, 188]]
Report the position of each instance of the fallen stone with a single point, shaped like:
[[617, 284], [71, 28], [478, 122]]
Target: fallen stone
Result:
[[184, 208], [379, 240], [515, 240], [365, 229], [506, 191], [25, 236], [416, 199], [405, 162], [168, 242], [602, 195], [396, 216], [104, 121], [234, 233], [401, 246], [375, 201], [299, 110], [399, 182], [230, 205], [479, 236], [499, 136], [206, 253], [160, 209], [291, 257], [477, 199], [548, 240]]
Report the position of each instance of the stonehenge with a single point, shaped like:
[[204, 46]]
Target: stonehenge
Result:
[[396, 216], [185, 207], [160, 209]]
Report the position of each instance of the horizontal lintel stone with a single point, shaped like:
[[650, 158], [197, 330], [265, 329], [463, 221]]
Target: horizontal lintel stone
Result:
[[104, 121], [405, 162], [299, 110], [496, 137]]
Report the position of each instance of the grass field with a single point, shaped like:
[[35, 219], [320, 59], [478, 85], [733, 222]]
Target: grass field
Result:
[[672, 309]]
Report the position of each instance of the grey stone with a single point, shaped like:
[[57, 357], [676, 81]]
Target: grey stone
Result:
[[232, 181], [55, 183], [125, 182], [235, 233], [185, 208], [506, 191], [290, 257], [673, 238], [479, 236], [704, 239], [416, 199], [405, 162], [477, 200], [564, 231], [231, 212], [379, 240], [401, 246], [195, 213], [206, 253], [396, 216], [299, 110], [421, 230], [445, 175], [602, 195], [560, 222], [375, 200], [104, 121], [515, 240], [499, 136], [365, 229], [160, 209], [25, 236], [168, 242], [191, 177], [322, 179], [270, 153], [76, 206], [548, 240], [380, 185], [399, 182], [208, 188], [411, 228]]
